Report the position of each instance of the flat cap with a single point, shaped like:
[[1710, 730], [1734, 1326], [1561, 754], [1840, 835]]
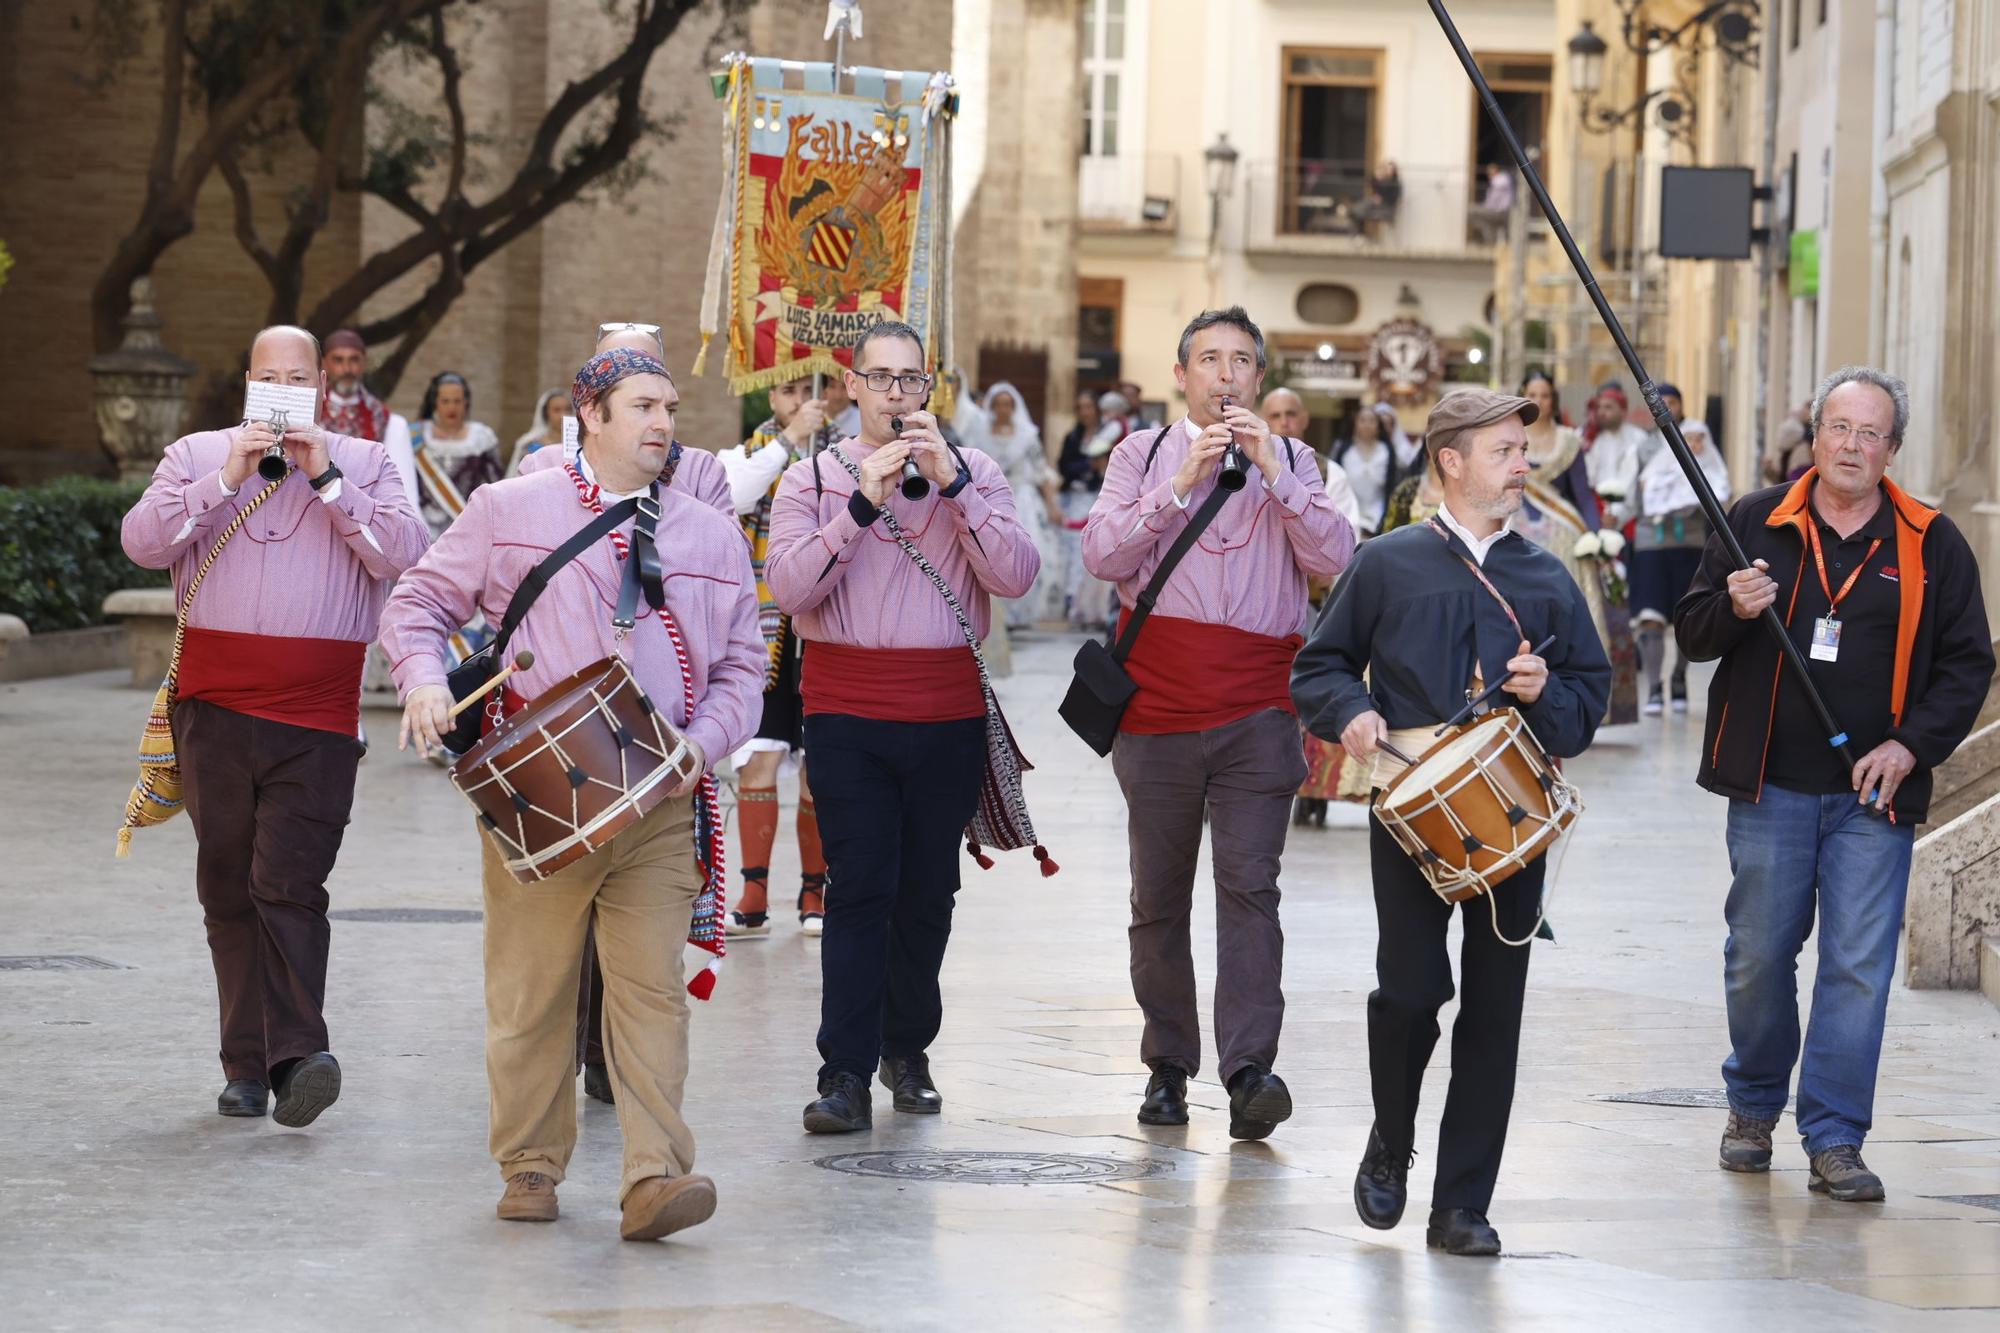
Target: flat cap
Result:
[[1462, 410]]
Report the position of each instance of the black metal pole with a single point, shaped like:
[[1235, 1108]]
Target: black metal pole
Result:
[[1669, 428]]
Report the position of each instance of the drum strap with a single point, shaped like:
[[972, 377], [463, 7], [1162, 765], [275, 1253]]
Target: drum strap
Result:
[[642, 571]]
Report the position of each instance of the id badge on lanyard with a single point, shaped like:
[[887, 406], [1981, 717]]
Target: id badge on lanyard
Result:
[[1826, 629]]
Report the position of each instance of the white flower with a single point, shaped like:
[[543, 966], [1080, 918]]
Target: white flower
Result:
[[1613, 543], [1587, 547], [1611, 489]]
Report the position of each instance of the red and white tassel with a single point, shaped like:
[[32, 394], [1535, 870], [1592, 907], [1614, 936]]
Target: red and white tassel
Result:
[[702, 984]]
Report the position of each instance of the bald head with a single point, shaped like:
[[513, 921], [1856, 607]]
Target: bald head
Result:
[[286, 354], [1285, 412], [633, 339]]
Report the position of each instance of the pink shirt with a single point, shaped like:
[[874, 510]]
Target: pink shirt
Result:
[[843, 583], [1249, 568], [509, 527], [699, 474], [300, 567]]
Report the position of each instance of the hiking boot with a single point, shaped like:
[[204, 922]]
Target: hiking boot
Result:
[[530, 1197], [1839, 1173], [1746, 1143]]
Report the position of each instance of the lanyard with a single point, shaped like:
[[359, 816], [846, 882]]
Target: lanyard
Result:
[[1833, 599], [1480, 574]]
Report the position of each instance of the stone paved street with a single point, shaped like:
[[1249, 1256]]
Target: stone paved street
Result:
[[126, 1203]]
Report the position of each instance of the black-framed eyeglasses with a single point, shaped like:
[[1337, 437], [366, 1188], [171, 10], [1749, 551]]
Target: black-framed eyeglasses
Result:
[[880, 380]]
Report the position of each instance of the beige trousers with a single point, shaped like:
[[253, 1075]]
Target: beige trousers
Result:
[[642, 889]]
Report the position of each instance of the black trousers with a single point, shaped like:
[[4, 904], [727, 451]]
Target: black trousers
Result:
[[1413, 981], [269, 803], [894, 799]]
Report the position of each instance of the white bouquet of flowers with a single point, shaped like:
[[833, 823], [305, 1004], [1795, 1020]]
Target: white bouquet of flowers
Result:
[[1611, 490], [1606, 545]]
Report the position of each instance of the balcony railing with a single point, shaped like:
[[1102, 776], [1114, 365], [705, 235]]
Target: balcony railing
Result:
[[1330, 205], [1136, 192]]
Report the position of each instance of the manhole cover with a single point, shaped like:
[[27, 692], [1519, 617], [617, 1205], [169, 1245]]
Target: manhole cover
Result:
[[994, 1168], [429, 916], [1970, 1200], [1713, 1098], [57, 962]]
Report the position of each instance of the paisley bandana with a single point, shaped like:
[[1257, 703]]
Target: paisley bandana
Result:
[[604, 371]]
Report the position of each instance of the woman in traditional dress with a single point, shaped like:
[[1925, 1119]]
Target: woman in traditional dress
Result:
[[455, 454], [1562, 516], [550, 409], [1016, 445]]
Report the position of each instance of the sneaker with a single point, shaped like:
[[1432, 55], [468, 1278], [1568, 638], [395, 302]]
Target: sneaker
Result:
[[530, 1197], [1679, 694], [1839, 1173], [1746, 1143], [1656, 702]]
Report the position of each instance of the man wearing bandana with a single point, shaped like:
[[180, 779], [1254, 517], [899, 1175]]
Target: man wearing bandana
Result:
[[689, 471], [699, 657], [349, 409]]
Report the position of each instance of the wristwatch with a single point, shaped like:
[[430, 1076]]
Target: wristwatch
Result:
[[951, 492], [324, 479]]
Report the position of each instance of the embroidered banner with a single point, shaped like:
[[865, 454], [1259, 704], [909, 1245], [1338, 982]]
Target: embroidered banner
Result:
[[835, 215]]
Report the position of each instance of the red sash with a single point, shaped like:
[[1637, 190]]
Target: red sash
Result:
[[313, 683], [1193, 675], [891, 684]]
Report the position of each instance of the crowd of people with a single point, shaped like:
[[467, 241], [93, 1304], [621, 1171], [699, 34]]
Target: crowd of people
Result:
[[822, 591]]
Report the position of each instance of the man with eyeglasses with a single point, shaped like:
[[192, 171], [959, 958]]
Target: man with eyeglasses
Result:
[[895, 711], [1881, 596]]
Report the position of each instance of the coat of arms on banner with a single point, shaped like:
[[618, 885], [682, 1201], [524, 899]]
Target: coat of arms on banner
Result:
[[835, 216]]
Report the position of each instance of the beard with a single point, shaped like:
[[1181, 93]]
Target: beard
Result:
[[347, 386], [1501, 503]]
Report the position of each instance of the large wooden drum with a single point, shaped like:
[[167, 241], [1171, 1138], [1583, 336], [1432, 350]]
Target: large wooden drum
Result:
[[585, 760], [1478, 805]]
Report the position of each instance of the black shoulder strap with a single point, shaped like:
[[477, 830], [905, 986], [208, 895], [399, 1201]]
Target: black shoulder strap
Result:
[[538, 578], [1154, 452], [1182, 545]]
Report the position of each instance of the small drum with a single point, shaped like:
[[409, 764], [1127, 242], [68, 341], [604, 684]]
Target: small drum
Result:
[[1478, 805], [585, 760]]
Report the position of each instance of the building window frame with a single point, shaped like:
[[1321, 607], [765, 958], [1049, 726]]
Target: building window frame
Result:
[[1291, 87], [1104, 76]]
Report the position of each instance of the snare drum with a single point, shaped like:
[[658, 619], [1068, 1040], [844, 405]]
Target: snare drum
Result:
[[589, 757], [1477, 806]]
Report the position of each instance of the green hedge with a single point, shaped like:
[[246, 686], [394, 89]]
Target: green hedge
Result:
[[60, 555]]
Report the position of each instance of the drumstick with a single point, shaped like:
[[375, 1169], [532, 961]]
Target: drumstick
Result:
[[1382, 744], [522, 661], [1472, 705]]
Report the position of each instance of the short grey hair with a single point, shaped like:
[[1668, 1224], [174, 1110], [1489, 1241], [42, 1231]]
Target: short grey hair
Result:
[[1899, 395], [1236, 317]]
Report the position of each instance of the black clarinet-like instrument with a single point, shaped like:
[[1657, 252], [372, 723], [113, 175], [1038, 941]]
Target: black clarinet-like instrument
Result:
[[915, 485], [1670, 429]]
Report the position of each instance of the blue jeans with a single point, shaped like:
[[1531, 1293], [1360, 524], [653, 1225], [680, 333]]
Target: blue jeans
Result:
[[1791, 855]]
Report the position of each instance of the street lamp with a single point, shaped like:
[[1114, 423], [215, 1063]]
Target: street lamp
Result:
[[1220, 160], [1673, 108], [1586, 62]]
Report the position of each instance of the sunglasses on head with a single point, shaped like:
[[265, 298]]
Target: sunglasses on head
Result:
[[627, 326]]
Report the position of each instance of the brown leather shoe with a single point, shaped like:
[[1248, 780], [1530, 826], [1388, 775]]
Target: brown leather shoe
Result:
[[666, 1204], [530, 1197]]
